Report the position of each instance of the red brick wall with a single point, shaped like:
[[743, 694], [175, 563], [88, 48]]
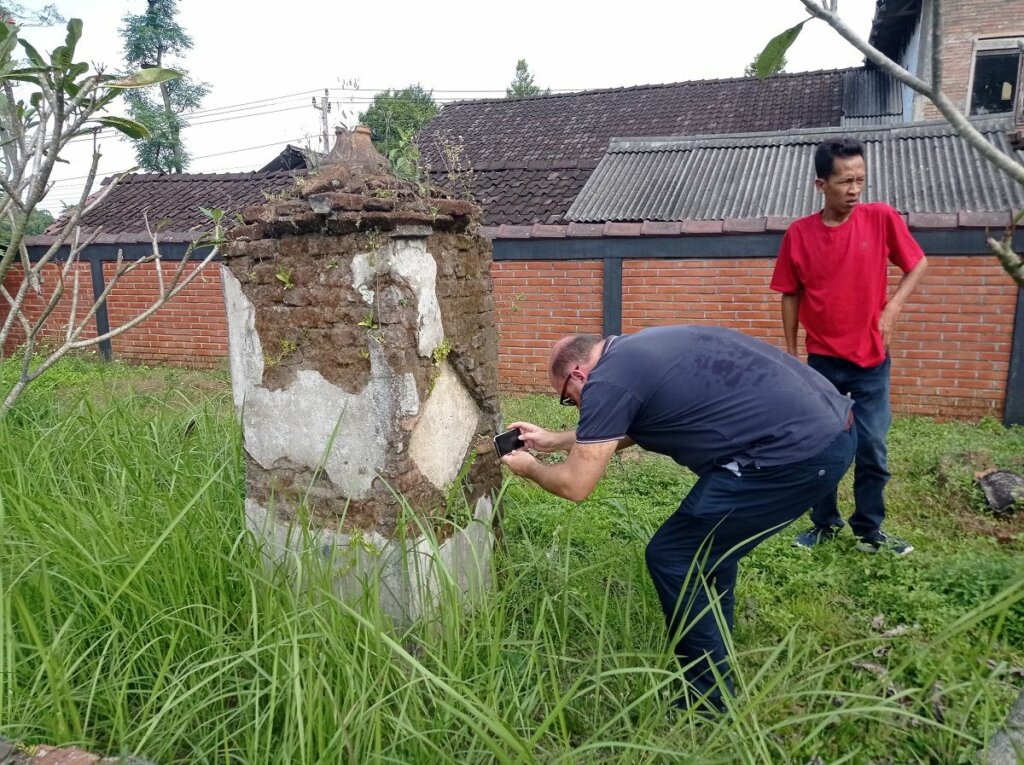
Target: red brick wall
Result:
[[730, 293], [535, 303], [189, 331], [34, 303], [963, 22], [951, 351]]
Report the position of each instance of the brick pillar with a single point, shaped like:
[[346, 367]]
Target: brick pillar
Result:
[[364, 369]]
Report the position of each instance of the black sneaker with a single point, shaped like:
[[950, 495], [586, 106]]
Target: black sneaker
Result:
[[880, 542], [815, 535]]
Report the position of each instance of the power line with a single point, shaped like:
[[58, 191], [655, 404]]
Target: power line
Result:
[[246, 116], [249, 111], [255, 109], [196, 118], [259, 101]]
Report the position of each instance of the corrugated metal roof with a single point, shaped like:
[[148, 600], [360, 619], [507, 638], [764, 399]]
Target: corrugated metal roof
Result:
[[923, 168], [870, 97]]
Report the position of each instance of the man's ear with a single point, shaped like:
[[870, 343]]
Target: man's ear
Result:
[[819, 184]]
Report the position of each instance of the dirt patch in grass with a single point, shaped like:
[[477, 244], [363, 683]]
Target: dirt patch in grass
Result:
[[1005, 529], [957, 473], [177, 387]]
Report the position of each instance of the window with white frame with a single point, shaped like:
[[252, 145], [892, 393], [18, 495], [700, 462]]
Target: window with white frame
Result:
[[997, 74]]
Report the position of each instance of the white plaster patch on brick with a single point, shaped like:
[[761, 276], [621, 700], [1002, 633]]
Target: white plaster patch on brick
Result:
[[245, 351], [411, 261], [408, 396], [408, 260], [411, 573], [392, 393], [449, 410], [362, 276], [464, 559], [296, 424]]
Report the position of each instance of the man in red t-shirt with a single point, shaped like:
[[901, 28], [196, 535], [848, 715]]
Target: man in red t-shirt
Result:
[[832, 272]]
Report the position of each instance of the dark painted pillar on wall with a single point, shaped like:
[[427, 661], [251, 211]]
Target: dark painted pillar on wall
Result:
[[1013, 413], [102, 320], [612, 297]]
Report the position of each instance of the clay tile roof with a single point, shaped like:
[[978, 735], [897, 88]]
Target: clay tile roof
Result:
[[524, 160], [174, 201], [531, 156]]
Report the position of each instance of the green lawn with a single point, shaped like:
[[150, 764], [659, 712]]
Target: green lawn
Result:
[[137, 617]]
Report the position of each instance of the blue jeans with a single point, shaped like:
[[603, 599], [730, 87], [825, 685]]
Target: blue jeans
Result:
[[869, 389], [693, 558]]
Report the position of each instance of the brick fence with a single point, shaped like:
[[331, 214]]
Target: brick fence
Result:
[[952, 353]]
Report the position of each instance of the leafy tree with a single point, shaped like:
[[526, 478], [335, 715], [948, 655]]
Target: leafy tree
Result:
[[44, 105], [46, 16], [756, 69], [393, 117], [149, 39], [38, 221], [828, 11], [522, 84]]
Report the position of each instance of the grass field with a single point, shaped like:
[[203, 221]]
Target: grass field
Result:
[[136, 615]]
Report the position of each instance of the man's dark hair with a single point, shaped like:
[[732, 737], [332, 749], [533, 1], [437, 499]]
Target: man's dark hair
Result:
[[574, 352], [827, 151]]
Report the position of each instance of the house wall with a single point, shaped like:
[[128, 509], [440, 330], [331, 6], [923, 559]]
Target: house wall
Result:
[[963, 22], [913, 61], [951, 353]]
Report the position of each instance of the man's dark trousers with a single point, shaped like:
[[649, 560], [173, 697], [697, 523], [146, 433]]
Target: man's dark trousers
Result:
[[869, 389], [696, 551]]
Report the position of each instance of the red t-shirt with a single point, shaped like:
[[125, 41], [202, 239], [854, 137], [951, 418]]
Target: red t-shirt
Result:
[[841, 275]]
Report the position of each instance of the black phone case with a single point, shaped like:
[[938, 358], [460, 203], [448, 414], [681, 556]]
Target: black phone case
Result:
[[507, 442]]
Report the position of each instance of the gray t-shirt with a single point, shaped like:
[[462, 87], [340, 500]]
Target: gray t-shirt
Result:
[[708, 396]]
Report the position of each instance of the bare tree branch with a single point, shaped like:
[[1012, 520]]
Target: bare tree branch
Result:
[[62, 106], [937, 45]]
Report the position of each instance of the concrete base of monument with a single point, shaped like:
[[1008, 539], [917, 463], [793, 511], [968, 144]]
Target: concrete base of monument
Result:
[[409, 579]]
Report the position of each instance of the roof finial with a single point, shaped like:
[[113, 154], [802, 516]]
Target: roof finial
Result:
[[356, 151]]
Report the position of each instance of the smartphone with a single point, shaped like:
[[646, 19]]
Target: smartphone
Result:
[[507, 442]]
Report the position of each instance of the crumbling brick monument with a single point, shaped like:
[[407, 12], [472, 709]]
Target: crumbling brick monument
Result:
[[364, 371]]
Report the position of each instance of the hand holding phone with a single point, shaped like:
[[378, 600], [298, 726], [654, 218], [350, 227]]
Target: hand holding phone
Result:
[[507, 442]]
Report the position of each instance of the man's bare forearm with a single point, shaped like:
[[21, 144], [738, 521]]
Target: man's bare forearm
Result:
[[909, 283], [575, 477], [564, 440], [555, 478], [791, 321]]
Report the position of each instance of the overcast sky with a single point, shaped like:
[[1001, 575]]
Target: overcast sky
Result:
[[265, 64]]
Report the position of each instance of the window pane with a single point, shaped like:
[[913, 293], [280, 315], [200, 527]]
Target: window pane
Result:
[[995, 82]]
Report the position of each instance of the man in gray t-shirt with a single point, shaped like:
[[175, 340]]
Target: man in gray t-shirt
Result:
[[766, 435]]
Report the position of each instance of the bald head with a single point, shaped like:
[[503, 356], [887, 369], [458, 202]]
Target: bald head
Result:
[[569, 352]]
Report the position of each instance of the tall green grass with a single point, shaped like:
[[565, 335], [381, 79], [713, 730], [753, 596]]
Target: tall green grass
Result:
[[138, 616]]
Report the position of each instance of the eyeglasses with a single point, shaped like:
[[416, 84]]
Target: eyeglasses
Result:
[[564, 400]]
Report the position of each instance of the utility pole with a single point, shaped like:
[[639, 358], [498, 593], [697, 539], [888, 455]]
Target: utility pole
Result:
[[324, 107]]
